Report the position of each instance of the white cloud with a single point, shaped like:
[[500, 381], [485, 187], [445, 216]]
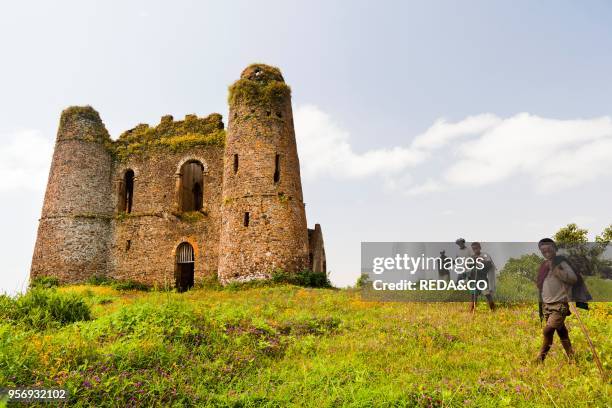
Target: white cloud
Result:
[[325, 149], [25, 157], [555, 154], [430, 186], [442, 132], [552, 154]]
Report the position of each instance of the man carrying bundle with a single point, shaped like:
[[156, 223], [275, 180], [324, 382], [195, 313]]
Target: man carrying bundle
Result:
[[486, 273], [555, 280]]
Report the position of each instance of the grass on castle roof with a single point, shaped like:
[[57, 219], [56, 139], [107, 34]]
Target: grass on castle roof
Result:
[[284, 345], [170, 135]]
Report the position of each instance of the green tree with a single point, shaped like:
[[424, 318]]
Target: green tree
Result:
[[606, 235], [585, 256], [526, 266], [362, 281], [571, 234]]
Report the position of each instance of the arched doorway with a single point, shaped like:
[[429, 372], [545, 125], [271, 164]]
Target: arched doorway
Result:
[[185, 263], [192, 180]]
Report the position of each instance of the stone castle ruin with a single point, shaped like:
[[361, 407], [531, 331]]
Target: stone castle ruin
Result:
[[183, 201]]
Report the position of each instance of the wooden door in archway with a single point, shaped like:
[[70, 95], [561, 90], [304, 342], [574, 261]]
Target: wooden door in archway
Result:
[[185, 265]]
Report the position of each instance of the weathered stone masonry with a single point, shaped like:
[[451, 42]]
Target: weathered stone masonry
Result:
[[232, 203]]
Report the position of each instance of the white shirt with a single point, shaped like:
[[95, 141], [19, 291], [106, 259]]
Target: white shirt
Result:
[[463, 253]]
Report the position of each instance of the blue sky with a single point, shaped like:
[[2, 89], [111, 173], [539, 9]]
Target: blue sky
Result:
[[489, 120]]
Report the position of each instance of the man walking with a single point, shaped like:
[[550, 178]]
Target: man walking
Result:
[[443, 271], [486, 273], [462, 254], [554, 281]]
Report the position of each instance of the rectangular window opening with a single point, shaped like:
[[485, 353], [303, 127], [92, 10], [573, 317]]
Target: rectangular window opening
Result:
[[277, 168], [246, 219], [235, 163]]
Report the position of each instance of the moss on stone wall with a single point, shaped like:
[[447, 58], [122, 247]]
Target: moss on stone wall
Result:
[[259, 84], [175, 136], [83, 121], [283, 198], [191, 216]]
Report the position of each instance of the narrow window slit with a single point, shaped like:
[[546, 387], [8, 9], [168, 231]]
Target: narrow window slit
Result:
[[246, 219], [235, 163], [277, 168]]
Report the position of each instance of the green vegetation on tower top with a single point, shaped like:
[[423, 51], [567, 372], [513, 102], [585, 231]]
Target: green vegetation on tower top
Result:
[[259, 84], [88, 120], [262, 73]]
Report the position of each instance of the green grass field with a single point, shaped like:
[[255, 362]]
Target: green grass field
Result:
[[287, 345]]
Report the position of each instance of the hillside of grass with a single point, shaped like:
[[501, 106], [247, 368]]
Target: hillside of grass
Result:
[[284, 345]]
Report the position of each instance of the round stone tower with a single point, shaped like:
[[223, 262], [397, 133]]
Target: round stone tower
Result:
[[75, 227], [263, 219]]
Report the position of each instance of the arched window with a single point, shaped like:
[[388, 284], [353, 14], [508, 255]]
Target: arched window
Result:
[[185, 263], [192, 191], [126, 194]]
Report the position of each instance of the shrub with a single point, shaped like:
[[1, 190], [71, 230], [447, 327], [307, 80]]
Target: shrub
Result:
[[515, 288], [99, 280], [306, 278], [362, 281], [44, 282], [42, 308], [130, 285], [7, 304], [18, 362]]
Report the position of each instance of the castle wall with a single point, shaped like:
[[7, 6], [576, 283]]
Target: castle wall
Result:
[[252, 219], [155, 227], [256, 250], [275, 236], [74, 230], [72, 249], [316, 250]]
